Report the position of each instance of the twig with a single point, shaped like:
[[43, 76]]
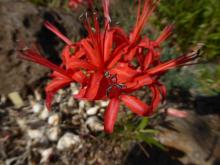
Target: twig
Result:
[[143, 149]]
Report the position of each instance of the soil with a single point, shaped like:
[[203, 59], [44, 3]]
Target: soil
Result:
[[22, 21]]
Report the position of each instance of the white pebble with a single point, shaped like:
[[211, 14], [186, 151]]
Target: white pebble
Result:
[[94, 123], [71, 102], [37, 107], [45, 155], [37, 134], [104, 103], [54, 119], [74, 89], [92, 111], [82, 104], [44, 114], [53, 133], [68, 140]]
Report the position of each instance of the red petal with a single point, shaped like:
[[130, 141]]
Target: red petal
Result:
[[33, 56], [52, 88], [105, 5], [124, 72], [142, 17], [93, 86], [144, 80], [178, 62], [78, 64], [108, 45], [156, 97], [117, 54], [136, 105], [79, 77], [52, 28], [131, 54], [92, 54], [164, 34], [148, 60], [110, 115]]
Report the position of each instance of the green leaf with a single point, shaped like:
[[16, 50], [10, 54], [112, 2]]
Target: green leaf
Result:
[[144, 122], [152, 141], [149, 131]]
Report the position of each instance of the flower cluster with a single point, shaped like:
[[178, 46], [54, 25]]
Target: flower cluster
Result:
[[111, 64], [76, 3]]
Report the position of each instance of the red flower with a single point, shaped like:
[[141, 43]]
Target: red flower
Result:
[[75, 3], [110, 64]]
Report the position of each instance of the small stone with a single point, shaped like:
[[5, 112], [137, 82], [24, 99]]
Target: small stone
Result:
[[77, 120], [92, 111], [94, 124], [37, 107], [68, 140], [82, 104], [36, 134], [16, 99], [3, 99], [74, 89], [104, 103], [37, 94], [53, 133], [44, 114], [46, 155], [22, 123], [54, 119], [71, 102]]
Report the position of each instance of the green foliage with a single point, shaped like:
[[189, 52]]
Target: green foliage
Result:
[[133, 128], [195, 21]]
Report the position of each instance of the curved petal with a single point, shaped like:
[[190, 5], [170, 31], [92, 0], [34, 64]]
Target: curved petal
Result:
[[144, 80], [52, 88], [136, 105], [94, 85], [77, 64], [108, 45], [110, 115], [52, 28], [33, 56], [148, 59], [91, 53], [156, 97], [124, 72], [79, 77]]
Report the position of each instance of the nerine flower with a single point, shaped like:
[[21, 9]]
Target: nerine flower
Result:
[[76, 3], [111, 64]]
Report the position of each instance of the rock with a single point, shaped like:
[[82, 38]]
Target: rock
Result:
[[22, 123], [104, 103], [92, 111], [54, 119], [37, 134], [68, 140], [16, 99], [46, 154], [53, 133], [74, 89], [44, 114], [71, 102], [94, 124], [37, 107], [3, 100], [82, 104], [77, 120]]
